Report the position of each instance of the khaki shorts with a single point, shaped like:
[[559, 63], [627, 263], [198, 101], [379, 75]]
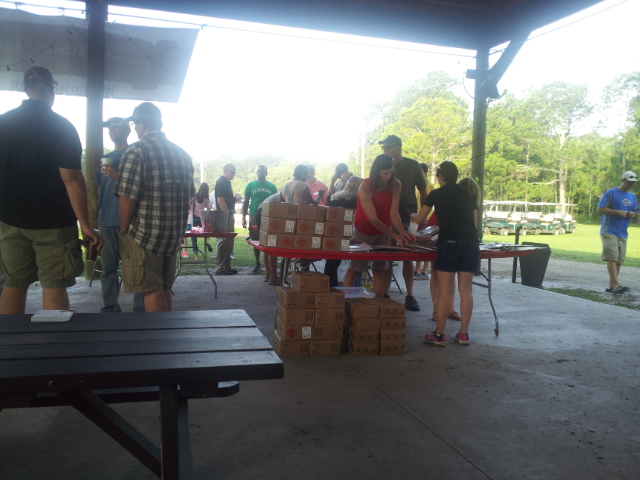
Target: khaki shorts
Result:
[[371, 240], [614, 249], [52, 256], [143, 272]]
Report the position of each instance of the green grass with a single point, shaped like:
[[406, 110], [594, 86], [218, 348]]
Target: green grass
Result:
[[582, 246], [243, 254], [618, 300]]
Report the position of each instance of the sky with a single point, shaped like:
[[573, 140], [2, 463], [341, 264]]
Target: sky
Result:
[[303, 94]]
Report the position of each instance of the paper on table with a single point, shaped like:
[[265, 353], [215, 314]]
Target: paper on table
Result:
[[52, 316]]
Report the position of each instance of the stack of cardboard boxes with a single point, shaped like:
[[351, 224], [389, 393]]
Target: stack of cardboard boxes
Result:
[[306, 227], [309, 317], [374, 326]]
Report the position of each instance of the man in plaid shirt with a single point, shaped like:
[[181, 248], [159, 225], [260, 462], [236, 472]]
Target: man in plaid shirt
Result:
[[154, 186]]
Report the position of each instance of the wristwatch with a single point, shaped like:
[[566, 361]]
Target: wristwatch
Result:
[[123, 232]]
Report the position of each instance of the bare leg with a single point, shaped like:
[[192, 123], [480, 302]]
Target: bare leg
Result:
[[388, 274], [155, 301], [614, 269], [407, 274], [273, 264], [267, 266], [378, 282], [434, 289], [256, 253], [55, 299], [13, 300], [446, 290], [350, 278], [167, 299], [465, 280]]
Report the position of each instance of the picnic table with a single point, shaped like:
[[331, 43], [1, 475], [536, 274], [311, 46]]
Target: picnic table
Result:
[[416, 256], [99, 358]]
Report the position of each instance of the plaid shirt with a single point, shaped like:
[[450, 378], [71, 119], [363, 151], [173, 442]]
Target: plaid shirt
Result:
[[157, 174]]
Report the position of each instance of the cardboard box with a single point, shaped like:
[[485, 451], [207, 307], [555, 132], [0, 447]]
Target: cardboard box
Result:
[[277, 240], [307, 242], [288, 333], [338, 230], [333, 299], [324, 347], [361, 349], [364, 323], [309, 227], [290, 349], [335, 244], [392, 348], [329, 315], [390, 308], [279, 210], [277, 225], [311, 212], [332, 331], [292, 299], [362, 308], [393, 323], [340, 214], [297, 316], [392, 336], [310, 282], [361, 336]]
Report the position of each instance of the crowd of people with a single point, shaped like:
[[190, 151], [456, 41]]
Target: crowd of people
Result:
[[147, 193]]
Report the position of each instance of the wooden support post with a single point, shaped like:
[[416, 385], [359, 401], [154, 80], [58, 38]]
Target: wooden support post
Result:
[[176, 443], [480, 127], [97, 16]]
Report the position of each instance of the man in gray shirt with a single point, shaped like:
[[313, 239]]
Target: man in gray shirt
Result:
[[410, 174]]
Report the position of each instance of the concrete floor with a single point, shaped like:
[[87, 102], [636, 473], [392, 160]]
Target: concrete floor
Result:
[[555, 396]]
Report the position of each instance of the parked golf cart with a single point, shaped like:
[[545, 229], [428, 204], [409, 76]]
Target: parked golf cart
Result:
[[504, 217], [548, 218]]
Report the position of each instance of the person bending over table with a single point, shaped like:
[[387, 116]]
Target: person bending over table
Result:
[[458, 250], [376, 211]]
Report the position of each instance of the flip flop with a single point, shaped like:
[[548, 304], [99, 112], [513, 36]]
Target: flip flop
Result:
[[454, 316], [621, 289], [609, 290]]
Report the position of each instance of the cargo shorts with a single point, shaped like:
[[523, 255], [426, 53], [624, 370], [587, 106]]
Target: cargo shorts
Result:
[[52, 256], [144, 272], [614, 249]]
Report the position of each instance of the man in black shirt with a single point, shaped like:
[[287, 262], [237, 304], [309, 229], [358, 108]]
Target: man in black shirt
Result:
[[225, 200], [42, 198]]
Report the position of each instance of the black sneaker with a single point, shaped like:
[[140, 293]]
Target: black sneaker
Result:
[[256, 268], [386, 296], [232, 271], [411, 304]]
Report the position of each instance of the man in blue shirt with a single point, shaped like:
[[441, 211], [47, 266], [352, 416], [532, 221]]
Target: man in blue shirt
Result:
[[617, 207], [108, 218]]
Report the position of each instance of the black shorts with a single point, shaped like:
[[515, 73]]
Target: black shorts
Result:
[[458, 256]]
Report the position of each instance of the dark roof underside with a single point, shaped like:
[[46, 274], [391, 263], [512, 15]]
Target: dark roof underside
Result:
[[469, 24]]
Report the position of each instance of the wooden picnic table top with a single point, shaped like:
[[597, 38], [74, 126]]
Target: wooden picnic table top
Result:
[[122, 350]]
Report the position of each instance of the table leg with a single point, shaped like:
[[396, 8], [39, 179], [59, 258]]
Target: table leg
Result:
[[497, 329], [110, 422], [176, 444], [206, 268]]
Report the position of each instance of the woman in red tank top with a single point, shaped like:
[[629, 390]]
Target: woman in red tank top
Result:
[[376, 212]]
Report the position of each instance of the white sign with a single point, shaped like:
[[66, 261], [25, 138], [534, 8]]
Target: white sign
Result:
[[141, 63]]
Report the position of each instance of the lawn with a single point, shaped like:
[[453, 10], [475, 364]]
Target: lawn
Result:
[[582, 246], [243, 253]]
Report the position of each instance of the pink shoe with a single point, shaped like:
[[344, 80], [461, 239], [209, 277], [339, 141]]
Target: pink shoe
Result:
[[437, 340], [462, 338], [185, 254]]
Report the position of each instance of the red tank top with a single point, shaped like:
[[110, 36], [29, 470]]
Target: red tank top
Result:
[[381, 203]]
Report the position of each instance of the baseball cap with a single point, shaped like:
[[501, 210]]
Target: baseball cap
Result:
[[146, 110], [390, 140], [38, 75], [630, 176], [114, 122]]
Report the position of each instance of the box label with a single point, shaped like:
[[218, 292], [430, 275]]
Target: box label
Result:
[[306, 332], [319, 228]]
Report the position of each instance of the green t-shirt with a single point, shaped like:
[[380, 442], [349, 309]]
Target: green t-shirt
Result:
[[410, 174], [257, 192]]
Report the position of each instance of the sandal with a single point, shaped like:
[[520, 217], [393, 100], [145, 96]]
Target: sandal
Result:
[[273, 282], [266, 279], [453, 315], [433, 317]]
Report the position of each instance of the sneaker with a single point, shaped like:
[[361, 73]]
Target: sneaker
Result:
[[185, 254], [232, 271], [461, 338], [411, 304], [232, 256], [256, 267], [386, 296], [437, 340]]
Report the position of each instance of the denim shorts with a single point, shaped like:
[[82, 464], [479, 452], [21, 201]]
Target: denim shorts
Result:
[[458, 256]]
